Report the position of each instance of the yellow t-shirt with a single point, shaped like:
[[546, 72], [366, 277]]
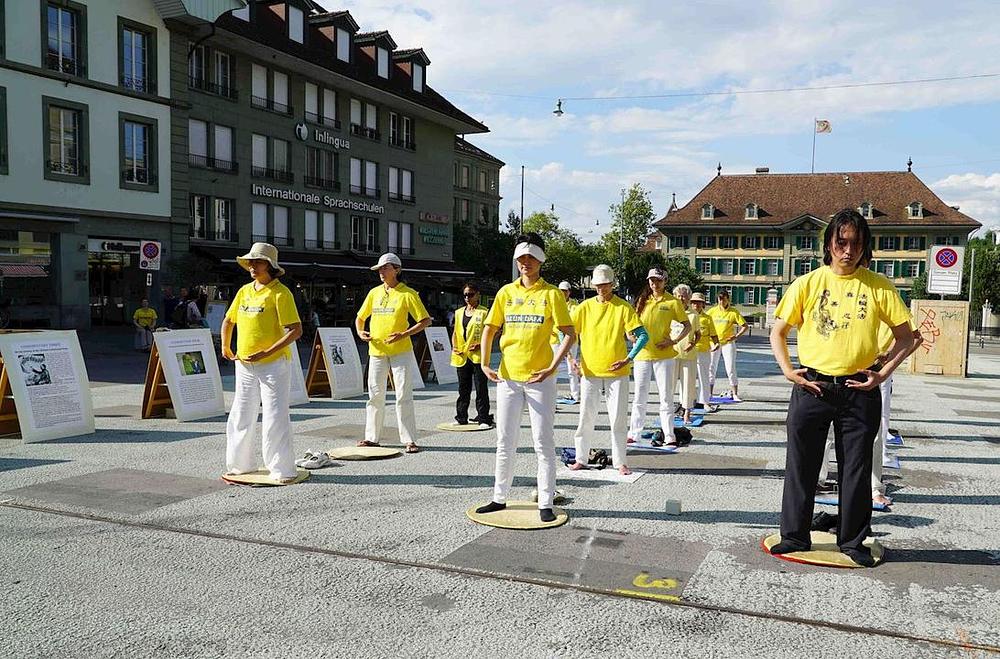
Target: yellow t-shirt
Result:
[[389, 310], [601, 327], [260, 317], [707, 328], [527, 316], [144, 317], [885, 338], [556, 334], [726, 322], [683, 350], [657, 316], [838, 317], [464, 336]]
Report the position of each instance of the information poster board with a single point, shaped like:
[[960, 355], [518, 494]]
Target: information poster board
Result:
[[439, 344], [191, 371], [343, 363], [298, 395], [215, 312], [48, 382]]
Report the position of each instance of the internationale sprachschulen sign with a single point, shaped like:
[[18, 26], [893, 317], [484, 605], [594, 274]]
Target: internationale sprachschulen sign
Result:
[[259, 190]]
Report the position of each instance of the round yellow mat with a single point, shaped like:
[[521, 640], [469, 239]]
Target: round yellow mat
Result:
[[262, 478], [518, 515], [363, 453], [461, 427], [824, 550]]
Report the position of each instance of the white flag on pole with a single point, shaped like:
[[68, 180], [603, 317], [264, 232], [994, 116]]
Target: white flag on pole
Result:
[[823, 126]]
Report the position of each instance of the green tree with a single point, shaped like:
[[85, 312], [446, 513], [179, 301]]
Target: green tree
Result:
[[485, 251], [631, 222], [632, 277], [566, 255], [985, 281]]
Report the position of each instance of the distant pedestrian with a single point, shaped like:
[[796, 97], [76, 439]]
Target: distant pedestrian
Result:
[[144, 320]]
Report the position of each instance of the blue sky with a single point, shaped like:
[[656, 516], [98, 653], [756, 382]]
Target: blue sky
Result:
[[507, 63]]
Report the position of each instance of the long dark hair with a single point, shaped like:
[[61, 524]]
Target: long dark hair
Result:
[[647, 292], [848, 218]]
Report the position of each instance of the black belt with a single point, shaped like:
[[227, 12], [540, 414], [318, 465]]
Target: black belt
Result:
[[813, 375]]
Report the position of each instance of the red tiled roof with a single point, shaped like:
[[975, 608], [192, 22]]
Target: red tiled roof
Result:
[[782, 198]]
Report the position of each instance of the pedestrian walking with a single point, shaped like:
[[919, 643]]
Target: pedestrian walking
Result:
[[526, 310], [390, 306], [730, 326], [837, 310], [465, 357], [144, 319], [267, 325], [602, 323]]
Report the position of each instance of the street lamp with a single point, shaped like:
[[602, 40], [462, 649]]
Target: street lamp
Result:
[[558, 111]]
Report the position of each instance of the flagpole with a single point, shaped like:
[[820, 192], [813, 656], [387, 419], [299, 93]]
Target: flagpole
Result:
[[812, 168]]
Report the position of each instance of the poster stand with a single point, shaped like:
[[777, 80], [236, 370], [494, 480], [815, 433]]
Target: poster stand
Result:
[[317, 378], [155, 394], [9, 424], [423, 354]]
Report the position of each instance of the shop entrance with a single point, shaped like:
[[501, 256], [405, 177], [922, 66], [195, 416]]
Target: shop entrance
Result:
[[116, 282]]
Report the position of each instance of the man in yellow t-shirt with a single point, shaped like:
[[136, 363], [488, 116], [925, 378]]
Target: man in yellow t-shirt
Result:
[[267, 323], [527, 310], [602, 323], [729, 326], [574, 375], [144, 320], [837, 310], [390, 306]]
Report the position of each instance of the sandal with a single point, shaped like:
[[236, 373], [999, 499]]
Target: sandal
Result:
[[365, 442], [412, 448]]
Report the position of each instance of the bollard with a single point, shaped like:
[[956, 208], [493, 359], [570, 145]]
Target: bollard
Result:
[[673, 507]]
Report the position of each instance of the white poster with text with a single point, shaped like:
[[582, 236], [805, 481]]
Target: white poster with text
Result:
[[191, 370], [440, 346], [297, 393], [48, 381], [343, 363]]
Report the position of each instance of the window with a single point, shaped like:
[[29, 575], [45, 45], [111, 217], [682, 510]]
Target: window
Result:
[[915, 210], [223, 73], [401, 185], [382, 57], [751, 242], [408, 133], [330, 108], [706, 267], [887, 268], [803, 267], [279, 226], [259, 214], [66, 139], [482, 181], [707, 212], [400, 238], [258, 86], [371, 233], [259, 152], [888, 243], [706, 242], [223, 154], [279, 92], [947, 240], [329, 231], [65, 47], [224, 220], [198, 142], [774, 242], [321, 168], [751, 212], [418, 77], [677, 242], [4, 163], [312, 230], [371, 179], [772, 267], [391, 243], [464, 209], [727, 267], [137, 66], [465, 176], [728, 242], [279, 157], [748, 266], [364, 119], [343, 45], [911, 269], [295, 31], [914, 243], [364, 234], [866, 210], [750, 295], [199, 216], [807, 243], [138, 137], [364, 177], [196, 65]]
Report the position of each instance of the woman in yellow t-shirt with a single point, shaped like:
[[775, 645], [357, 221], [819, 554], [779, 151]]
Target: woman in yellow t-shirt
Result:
[[144, 320], [730, 326], [708, 341], [267, 323], [657, 310], [686, 356], [465, 357]]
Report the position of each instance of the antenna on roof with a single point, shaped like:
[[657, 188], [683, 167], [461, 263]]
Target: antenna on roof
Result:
[[719, 170], [909, 164]]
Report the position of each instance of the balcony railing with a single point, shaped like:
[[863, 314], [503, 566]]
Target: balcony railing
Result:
[[405, 198], [365, 191], [282, 175], [369, 133], [402, 143], [270, 104], [365, 248], [277, 241], [401, 251], [316, 243], [135, 83], [320, 182], [55, 62], [138, 176], [319, 119], [206, 162], [66, 167], [222, 236], [203, 85]]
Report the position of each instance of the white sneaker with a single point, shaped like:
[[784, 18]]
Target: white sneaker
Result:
[[317, 461], [305, 458]]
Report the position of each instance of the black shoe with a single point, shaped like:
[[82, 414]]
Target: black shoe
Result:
[[491, 507], [546, 515], [862, 557], [787, 547], [826, 487], [824, 522]]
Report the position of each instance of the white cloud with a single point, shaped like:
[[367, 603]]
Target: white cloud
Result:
[[977, 195]]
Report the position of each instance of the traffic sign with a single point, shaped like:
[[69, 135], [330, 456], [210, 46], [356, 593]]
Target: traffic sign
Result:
[[944, 270], [149, 255]]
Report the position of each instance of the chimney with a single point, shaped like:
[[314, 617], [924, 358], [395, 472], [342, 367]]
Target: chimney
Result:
[[954, 208], [762, 170]]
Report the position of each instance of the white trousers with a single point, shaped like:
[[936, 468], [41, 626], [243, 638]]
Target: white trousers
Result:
[[704, 365], [663, 371], [879, 448], [378, 373], [257, 386], [728, 354], [574, 382], [688, 377], [616, 392], [540, 398]]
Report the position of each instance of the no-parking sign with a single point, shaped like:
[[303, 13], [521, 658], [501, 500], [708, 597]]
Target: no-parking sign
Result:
[[944, 270], [149, 255]]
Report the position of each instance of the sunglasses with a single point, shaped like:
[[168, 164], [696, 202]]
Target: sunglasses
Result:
[[469, 294]]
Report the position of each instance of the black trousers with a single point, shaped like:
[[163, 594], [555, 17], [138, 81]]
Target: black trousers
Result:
[[468, 373], [855, 416]]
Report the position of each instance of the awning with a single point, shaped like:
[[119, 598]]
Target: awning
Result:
[[22, 270]]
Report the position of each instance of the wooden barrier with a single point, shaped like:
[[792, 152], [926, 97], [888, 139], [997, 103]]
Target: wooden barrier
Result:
[[155, 394], [944, 324]]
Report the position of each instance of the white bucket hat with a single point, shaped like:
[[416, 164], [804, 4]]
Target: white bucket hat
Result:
[[698, 297], [564, 286], [263, 251], [387, 258], [655, 273], [603, 274]]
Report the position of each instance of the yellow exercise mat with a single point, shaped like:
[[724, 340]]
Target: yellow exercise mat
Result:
[[363, 453], [518, 515], [824, 551], [262, 478], [462, 427]]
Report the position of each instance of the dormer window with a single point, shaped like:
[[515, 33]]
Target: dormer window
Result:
[[383, 62], [866, 210], [751, 212], [343, 45], [295, 29], [915, 210], [418, 77], [707, 212]]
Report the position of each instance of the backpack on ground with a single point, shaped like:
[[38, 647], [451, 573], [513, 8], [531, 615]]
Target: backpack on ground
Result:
[[682, 435]]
